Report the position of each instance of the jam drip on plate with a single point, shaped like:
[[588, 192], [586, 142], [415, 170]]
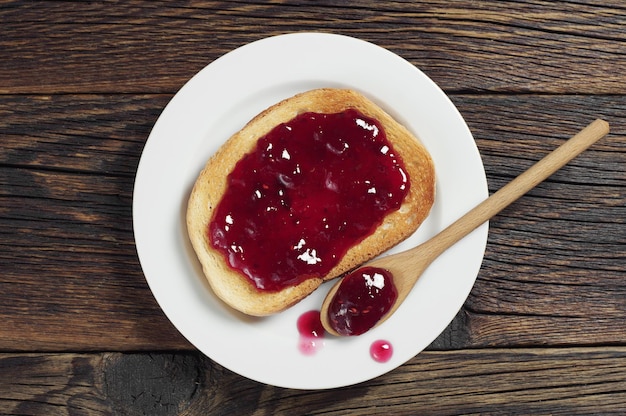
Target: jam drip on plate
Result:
[[311, 189], [311, 332], [381, 351]]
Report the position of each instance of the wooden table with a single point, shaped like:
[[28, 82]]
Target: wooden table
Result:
[[81, 84]]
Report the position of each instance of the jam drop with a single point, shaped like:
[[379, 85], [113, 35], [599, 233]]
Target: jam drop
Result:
[[363, 298], [311, 189], [311, 332], [381, 351]]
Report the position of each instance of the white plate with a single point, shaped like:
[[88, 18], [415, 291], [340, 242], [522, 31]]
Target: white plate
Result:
[[217, 102]]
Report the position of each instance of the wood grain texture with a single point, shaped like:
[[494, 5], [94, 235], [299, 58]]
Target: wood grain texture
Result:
[[139, 47], [549, 265], [577, 381], [68, 255], [81, 85]]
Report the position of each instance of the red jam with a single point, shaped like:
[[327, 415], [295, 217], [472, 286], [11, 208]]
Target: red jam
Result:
[[381, 351], [311, 189], [363, 298], [310, 325], [311, 332]]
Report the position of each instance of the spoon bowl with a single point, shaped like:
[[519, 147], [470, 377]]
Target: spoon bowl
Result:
[[405, 268]]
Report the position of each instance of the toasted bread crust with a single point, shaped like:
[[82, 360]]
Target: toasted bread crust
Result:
[[234, 288]]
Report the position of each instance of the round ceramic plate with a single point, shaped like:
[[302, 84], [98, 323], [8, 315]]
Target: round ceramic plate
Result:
[[217, 102]]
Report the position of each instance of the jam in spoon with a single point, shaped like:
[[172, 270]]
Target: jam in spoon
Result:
[[369, 295]]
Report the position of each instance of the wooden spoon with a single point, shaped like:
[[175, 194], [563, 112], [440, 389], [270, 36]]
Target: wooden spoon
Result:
[[406, 267]]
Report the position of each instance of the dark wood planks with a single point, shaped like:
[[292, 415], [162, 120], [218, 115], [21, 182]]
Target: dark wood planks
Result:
[[136, 47], [576, 381], [70, 274], [553, 271], [81, 84]]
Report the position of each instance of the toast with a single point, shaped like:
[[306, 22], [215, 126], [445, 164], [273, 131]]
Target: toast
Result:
[[234, 288]]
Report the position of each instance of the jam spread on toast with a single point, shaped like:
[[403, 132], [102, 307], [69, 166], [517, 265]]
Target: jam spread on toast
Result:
[[311, 189]]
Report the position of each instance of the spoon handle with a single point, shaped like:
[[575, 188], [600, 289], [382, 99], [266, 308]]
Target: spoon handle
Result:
[[517, 187]]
